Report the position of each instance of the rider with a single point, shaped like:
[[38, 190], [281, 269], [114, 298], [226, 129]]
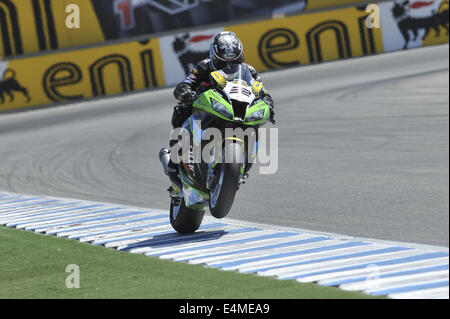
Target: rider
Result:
[[225, 49]]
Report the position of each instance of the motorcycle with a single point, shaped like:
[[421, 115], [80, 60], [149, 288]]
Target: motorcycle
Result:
[[233, 102]]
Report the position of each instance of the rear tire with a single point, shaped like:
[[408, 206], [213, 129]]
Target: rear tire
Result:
[[221, 200], [185, 220]]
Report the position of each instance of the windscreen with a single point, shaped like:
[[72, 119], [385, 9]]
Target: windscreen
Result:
[[238, 72]]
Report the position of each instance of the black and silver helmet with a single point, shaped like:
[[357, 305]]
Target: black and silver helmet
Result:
[[225, 49]]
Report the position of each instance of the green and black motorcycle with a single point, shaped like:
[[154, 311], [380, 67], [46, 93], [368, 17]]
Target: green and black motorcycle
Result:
[[234, 102]]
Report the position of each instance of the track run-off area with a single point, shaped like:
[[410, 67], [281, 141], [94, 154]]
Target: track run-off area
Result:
[[363, 152]]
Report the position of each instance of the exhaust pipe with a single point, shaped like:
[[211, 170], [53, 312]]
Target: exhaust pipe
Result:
[[164, 157]]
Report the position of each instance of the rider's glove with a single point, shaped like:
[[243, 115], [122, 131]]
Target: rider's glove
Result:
[[272, 115], [188, 96], [269, 101]]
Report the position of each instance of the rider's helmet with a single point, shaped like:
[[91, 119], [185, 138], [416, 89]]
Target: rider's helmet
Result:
[[225, 49]]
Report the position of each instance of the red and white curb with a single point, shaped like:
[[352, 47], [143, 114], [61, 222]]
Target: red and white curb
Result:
[[376, 267]]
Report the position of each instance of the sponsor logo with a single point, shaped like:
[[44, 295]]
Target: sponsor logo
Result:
[[414, 17], [9, 85], [186, 55], [80, 74]]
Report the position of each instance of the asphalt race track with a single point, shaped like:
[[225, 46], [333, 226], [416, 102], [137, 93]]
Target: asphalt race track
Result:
[[363, 149]]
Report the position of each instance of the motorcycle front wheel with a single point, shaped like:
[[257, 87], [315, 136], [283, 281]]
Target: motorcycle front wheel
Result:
[[184, 220], [223, 192]]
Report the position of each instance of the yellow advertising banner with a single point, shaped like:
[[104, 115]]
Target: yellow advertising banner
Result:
[[29, 26], [309, 38], [318, 4], [80, 74], [439, 32], [270, 44]]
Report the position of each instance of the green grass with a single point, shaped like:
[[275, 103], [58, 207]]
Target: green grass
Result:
[[33, 266]]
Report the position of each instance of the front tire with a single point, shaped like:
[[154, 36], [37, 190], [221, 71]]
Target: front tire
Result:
[[222, 194], [184, 220]]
